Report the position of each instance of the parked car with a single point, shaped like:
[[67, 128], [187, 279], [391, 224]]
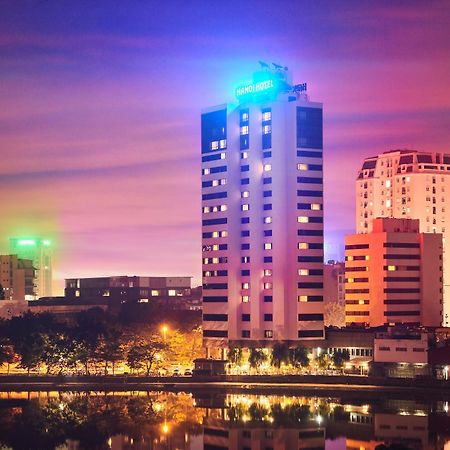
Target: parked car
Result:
[[188, 373], [176, 373]]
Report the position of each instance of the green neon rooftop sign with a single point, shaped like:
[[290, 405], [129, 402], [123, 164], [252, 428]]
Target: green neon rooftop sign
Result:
[[26, 242]]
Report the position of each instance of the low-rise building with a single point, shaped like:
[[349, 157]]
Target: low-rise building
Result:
[[117, 290], [17, 278], [401, 353]]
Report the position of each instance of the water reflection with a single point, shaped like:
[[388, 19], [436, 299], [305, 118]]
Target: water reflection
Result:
[[217, 421]]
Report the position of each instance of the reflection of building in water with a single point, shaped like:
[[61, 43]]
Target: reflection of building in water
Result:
[[222, 435], [411, 430]]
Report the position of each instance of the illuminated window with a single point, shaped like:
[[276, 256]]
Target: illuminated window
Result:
[[172, 293], [302, 298], [267, 272], [303, 245], [267, 246], [245, 285], [388, 203], [267, 116], [267, 167], [350, 280], [302, 219], [349, 258], [223, 207], [244, 117], [222, 156], [206, 171], [267, 285], [268, 334], [361, 302], [244, 155], [245, 207], [155, 293], [245, 194], [268, 219], [301, 166], [315, 206], [214, 145], [244, 130], [303, 272], [392, 268], [245, 299], [267, 129], [367, 257], [206, 209], [388, 183], [223, 143]]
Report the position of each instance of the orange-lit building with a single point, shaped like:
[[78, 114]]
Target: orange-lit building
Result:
[[393, 275]]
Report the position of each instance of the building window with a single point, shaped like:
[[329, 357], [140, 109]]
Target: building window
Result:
[[268, 318], [268, 246], [244, 130], [268, 334], [302, 219], [267, 272], [268, 219], [245, 299], [245, 285], [245, 333], [245, 207], [267, 285], [267, 167]]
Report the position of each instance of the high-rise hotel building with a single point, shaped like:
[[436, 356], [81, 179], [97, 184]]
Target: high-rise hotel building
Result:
[[408, 184], [262, 215]]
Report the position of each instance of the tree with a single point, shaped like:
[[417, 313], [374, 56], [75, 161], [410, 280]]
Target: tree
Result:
[[235, 355], [256, 358], [299, 357], [340, 357], [111, 349], [143, 354], [323, 361], [280, 354], [7, 354]]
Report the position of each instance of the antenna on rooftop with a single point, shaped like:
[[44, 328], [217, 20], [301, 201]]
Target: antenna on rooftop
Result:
[[264, 65]]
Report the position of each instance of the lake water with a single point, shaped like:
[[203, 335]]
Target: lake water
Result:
[[219, 421]]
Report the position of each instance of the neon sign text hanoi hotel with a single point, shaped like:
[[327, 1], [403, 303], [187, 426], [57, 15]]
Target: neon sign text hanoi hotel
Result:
[[254, 88]]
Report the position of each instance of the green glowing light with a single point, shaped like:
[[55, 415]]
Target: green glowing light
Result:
[[26, 242], [46, 242]]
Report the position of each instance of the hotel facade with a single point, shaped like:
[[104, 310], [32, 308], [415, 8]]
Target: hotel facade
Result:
[[262, 216], [411, 185]]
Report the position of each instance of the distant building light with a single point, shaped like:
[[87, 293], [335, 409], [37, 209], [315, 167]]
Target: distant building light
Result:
[[26, 242]]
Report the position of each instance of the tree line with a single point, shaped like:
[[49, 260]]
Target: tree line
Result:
[[94, 342], [282, 354]]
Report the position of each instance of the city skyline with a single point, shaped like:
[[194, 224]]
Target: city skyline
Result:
[[101, 131]]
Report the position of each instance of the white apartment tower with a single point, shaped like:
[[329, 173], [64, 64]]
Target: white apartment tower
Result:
[[262, 215], [408, 184]]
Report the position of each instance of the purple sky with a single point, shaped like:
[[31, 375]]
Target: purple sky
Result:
[[100, 112]]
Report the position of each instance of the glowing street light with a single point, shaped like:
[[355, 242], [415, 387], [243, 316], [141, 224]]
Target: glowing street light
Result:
[[164, 330]]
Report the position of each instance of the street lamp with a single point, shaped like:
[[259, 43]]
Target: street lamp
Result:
[[164, 329]]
